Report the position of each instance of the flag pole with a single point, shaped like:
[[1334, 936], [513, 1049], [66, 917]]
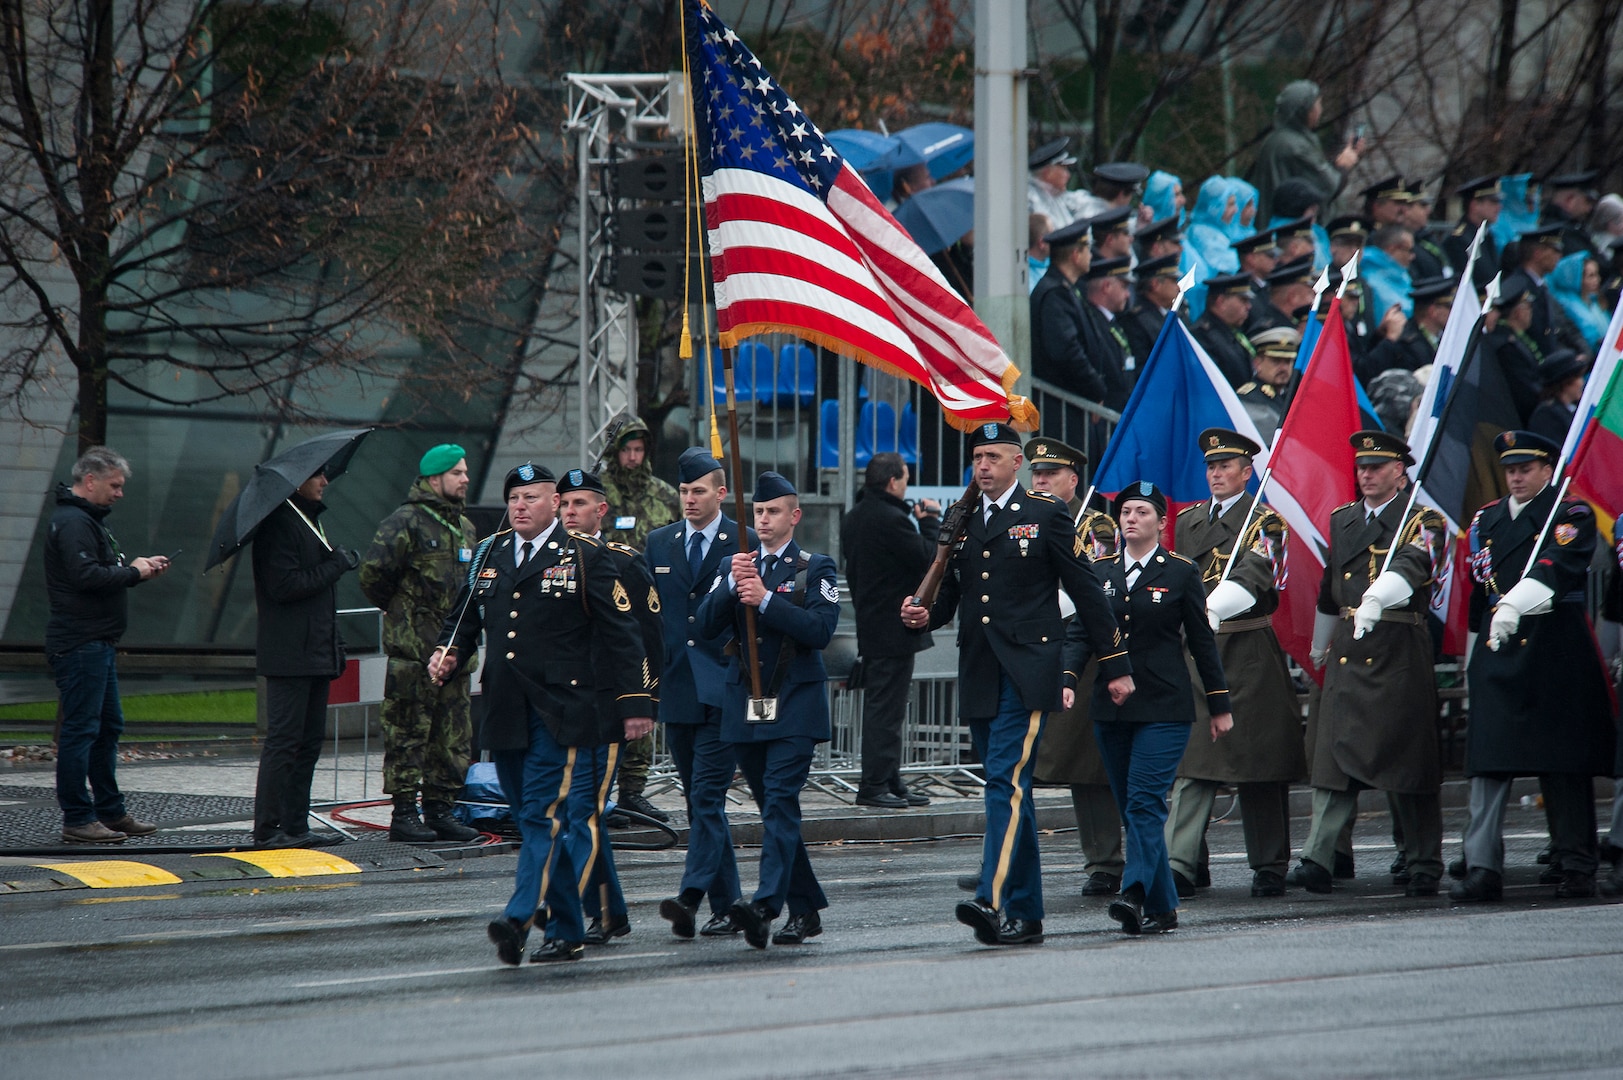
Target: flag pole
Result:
[[1549, 519], [1471, 349], [762, 709], [1256, 501]]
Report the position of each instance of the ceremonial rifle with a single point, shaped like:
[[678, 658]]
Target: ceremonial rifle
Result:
[[954, 526]]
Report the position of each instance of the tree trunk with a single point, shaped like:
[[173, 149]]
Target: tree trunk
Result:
[[1498, 91], [1107, 31], [98, 175]]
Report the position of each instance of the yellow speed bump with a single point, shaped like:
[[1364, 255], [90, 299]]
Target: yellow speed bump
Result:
[[114, 874], [290, 862]]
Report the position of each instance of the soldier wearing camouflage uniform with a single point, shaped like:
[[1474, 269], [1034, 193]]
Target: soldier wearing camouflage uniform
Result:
[[412, 571], [639, 503]]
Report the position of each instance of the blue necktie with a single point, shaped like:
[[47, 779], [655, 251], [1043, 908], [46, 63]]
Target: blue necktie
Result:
[[695, 555]]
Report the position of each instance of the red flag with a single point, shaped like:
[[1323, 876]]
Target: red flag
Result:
[[800, 245], [1312, 465]]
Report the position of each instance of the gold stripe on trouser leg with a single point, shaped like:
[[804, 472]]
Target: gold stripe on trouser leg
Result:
[[593, 824], [1033, 726], [552, 812]]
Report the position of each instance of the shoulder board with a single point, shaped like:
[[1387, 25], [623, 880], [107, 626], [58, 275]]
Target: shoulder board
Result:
[[1346, 506], [1489, 503], [1181, 558], [1035, 494], [805, 558], [583, 538], [624, 549], [501, 532], [1108, 558], [1246, 388], [1195, 506]]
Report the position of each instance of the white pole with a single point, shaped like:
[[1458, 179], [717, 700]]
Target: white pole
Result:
[[1000, 178]]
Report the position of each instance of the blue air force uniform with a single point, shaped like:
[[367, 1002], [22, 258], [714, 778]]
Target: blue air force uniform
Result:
[[684, 561], [1003, 584], [552, 625], [793, 625]]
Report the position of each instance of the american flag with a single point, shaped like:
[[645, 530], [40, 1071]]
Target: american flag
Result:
[[800, 245]]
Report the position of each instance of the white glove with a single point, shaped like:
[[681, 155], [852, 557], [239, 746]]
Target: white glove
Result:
[[1526, 597], [1226, 601], [1387, 591], [1323, 626], [1067, 606]]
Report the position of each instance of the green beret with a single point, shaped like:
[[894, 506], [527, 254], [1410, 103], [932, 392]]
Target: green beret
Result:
[[441, 459]]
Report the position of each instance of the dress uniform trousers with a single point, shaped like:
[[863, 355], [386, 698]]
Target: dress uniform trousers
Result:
[[1264, 820], [1570, 809], [1011, 873], [776, 771], [600, 886], [1420, 816], [538, 780], [706, 766]]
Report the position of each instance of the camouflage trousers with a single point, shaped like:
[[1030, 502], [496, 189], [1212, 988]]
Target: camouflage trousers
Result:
[[635, 758], [426, 733]]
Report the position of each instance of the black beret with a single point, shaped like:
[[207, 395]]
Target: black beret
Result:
[[580, 480], [1520, 447], [1145, 492], [526, 474], [770, 485], [1482, 187], [1220, 444], [1053, 152], [1045, 454], [988, 434], [695, 464], [1378, 447]]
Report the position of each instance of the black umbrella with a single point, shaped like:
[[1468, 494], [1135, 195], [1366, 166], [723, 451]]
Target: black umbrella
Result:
[[273, 481]]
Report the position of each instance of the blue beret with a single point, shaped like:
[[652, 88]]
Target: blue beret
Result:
[[525, 474], [580, 480], [696, 464], [770, 485]]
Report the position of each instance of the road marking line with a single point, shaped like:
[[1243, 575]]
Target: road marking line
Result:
[[396, 975], [113, 873], [290, 862]]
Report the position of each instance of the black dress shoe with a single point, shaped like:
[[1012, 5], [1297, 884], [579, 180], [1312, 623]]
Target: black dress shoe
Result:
[[550, 951], [1020, 932], [1310, 876], [1343, 870], [721, 924], [1162, 922], [639, 804], [1576, 885], [1552, 875], [1267, 883], [1545, 856], [884, 800], [1421, 885], [1479, 885], [1101, 884], [969, 882], [602, 929], [980, 918], [508, 935], [1611, 886], [680, 915], [279, 841], [1400, 865], [798, 929], [1457, 869], [1128, 909], [753, 920], [1203, 876], [1609, 852], [1185, 888], [913, 798]]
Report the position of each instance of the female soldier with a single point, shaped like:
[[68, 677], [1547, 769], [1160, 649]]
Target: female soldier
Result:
[[1159, 602]]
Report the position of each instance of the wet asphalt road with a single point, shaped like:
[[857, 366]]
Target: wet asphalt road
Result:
[[389, 974]]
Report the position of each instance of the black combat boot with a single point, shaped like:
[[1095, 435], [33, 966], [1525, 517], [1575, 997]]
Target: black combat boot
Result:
[[438, 817], [406, 826]]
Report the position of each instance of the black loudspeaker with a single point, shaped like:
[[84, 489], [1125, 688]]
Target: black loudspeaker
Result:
[[656, 275], [658, 229], [656, 178]]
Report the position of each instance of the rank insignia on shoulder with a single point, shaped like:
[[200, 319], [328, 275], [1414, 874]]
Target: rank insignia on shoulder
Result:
[[1565, 534], [830, 591]]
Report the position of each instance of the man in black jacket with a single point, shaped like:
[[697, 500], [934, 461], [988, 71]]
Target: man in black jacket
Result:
[[886, 556], [296, 572], [86, 576]]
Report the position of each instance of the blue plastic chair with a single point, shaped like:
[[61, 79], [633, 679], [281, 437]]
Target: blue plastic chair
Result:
[[753, 376], [907, 440], [797, 375], [876, 431], [828, 436]]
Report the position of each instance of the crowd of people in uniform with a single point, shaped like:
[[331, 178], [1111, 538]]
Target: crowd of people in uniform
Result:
[[1105, 263]]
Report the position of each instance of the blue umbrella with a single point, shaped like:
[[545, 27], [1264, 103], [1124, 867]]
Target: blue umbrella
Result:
[[867, 152], [945, 148], [938, 217]]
